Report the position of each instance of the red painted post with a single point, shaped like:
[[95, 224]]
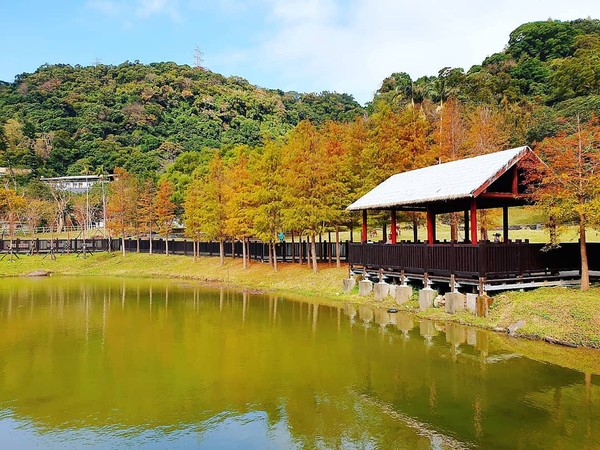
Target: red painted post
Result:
[[393, 226], [430, 227], [363, 236], [474, 221]]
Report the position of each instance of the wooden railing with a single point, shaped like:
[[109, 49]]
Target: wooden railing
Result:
[[259, 251], [486, 259]]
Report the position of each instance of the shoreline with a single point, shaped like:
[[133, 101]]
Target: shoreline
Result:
[[558, 316]]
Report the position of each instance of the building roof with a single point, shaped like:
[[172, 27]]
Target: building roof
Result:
[[461, 179]]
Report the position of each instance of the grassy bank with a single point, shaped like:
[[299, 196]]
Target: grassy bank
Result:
[[553, 314], [559, 315]]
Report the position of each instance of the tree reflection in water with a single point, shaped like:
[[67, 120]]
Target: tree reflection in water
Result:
[[139, 362]]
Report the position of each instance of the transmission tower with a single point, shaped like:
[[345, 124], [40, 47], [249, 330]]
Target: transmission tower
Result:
[[198, 57]]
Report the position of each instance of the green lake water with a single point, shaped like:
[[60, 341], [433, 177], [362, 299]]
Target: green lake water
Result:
[[108, 363]]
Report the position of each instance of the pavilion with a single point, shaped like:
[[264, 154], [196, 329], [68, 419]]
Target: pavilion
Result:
[[495, 180]]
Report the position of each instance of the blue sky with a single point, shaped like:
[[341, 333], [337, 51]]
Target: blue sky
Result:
[[302, 45]]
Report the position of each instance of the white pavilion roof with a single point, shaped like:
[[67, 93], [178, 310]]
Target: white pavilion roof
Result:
[[448, 181]]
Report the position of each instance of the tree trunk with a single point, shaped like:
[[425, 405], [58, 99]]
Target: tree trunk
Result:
[[167, 245], [293, 249], [338, 262], [137, 239], [123, 243], [274, 256], [454, 227], [221, 252], [151, 239], [585, 273], [415, 228], [195, 249], [244, 255], [313, 250]]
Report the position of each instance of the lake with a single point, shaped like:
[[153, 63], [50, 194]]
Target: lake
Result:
[[103, 363]]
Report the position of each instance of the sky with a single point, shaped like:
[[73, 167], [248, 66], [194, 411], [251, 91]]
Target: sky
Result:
[[346, 46]]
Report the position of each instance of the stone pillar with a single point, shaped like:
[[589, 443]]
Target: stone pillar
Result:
[[455, 302], [403, 294], [472, 303], [348, 284], [365, 287], [426, 297], [381, 289], [392, 292]]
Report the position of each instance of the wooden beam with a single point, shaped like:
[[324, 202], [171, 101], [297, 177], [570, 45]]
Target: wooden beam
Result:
[[474, 239], [506, 195], [393, 228], [467, 237], [497, 175], [363, 234], [515, 181]]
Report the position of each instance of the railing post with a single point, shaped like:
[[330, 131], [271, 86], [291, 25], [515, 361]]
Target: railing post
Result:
[[452, 267], [483, 266]]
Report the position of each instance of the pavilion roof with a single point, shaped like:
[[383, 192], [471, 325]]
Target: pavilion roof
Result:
[[461, 179]]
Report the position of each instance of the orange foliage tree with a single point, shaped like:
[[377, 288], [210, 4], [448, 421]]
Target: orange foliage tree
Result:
[[165, 210], [568, 189], [121, 204]]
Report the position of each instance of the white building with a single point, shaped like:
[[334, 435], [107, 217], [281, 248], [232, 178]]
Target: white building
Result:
[[77, 183]]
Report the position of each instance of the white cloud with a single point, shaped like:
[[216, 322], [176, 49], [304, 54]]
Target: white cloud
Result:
[[147, 8], [141, 9], [351, 45]]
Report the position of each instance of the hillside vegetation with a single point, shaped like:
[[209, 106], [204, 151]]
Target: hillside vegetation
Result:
[[65, 119], [62, 119]]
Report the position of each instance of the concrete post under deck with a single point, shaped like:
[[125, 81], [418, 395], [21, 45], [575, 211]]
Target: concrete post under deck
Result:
[[426, 297], [365, 287], [348, 284], [381, 290], [455, 302], [403, 294]]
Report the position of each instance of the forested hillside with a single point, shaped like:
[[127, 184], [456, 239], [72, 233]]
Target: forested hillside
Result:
[[548, 70], [65, 120]]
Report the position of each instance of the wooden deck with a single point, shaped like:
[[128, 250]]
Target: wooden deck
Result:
[[498, 265]]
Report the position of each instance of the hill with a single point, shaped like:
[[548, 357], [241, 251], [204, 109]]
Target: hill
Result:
[[62, 119], [65, 120]]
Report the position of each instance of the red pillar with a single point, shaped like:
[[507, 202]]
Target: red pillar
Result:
[[393, 226], [515, 181], [430, 226], [473, 227], [363, 234]]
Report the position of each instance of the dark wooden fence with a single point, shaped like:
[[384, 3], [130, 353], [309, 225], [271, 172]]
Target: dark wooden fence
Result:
[[258, 251], [487, 259]]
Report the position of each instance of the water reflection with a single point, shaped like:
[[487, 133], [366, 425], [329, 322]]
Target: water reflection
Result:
[[161, 364]]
